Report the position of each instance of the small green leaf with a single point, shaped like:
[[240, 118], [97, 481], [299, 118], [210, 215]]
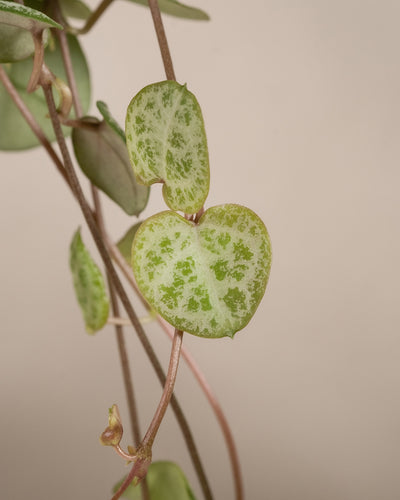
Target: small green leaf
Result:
[[125, 243], [109, 119], [207, 278], [89, 286], [76, 9], [165, 480], [167, 143], [20, 16], [103, 157], [15, 133], [177, 9]]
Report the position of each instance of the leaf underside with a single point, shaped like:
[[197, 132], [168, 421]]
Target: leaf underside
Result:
[[89, 286], [205, 279], [103, 157], [167, 143], [16, 44]]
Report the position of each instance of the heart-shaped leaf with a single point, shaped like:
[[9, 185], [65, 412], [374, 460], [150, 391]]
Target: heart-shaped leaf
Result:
[[103, 157], [21, 16], [15, 133], [109, 119], [207, 278], [89, 286], [177, 9], [165, 480], [167, 143]]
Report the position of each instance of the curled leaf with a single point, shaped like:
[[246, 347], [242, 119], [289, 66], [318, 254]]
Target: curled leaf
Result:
[[89, 286], [103, 157], [207, 278], [112, 435], [167, 143], [165, 480]]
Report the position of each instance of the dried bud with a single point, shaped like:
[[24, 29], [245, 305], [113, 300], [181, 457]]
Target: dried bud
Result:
[[113, 433]]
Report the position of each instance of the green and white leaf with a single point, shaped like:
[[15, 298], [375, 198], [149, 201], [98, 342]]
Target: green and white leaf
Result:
[[111, 121], [165, 480], [89, 286], [206, 279], [167, 143], [21, 16], [15, 133], [103, 157], [125, 243], [177, 9]]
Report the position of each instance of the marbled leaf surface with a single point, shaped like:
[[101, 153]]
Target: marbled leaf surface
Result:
[[21, 16], [165, 480], [206, 279], [167, 143], [89, 286]]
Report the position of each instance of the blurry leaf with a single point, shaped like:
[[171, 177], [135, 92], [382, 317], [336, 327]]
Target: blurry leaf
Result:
[[167, 143], [207, 278], [15, 133], [103, 157], [75, 9], [166, 481], [113, 432], [21, 16], [174, 8], [16, 44], [125, 243], [89, 286], [109, 119]]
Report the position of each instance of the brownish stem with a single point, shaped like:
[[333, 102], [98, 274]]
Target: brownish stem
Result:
[[75, 185], [33, 124], [168, 390], [94, 17], [162, 39], [222, 420]]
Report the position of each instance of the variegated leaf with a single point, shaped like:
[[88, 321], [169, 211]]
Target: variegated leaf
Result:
[[207, 278], [167, 143]]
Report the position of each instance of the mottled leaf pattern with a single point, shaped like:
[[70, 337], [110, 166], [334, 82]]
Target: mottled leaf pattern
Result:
[[89, 286], [167, 143], [205, 279], [18, 15], [165, 480], [103, 157]]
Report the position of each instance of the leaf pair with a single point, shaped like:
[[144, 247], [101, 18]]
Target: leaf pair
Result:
[[206, 277]]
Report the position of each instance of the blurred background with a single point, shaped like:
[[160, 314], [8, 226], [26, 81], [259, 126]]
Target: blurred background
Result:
[[302, 112]]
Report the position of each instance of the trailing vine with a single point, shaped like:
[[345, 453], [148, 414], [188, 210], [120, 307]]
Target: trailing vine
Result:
[[198, 270]]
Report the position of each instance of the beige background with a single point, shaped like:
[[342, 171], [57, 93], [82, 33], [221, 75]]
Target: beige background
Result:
[[301, 103]]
